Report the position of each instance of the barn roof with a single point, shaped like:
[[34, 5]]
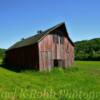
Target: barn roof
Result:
[[34, 39]]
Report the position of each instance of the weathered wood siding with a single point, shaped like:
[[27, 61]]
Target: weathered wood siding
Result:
[[45, 53], [68, 53], [49, 51], [23, 58]]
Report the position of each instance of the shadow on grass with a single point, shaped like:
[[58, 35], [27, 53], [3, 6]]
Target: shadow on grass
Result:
[[17, 69], [11, 68]]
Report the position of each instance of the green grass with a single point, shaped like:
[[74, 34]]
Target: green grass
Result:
[[80, 82], [0, 61]]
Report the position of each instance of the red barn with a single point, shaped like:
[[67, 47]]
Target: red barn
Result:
[[47, 49]]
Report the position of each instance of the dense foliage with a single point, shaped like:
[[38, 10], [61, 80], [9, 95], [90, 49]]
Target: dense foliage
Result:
[[2, 53], [87, 49]]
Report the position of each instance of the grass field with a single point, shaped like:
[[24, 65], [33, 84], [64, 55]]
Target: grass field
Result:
[[81, 82], [0, 61]]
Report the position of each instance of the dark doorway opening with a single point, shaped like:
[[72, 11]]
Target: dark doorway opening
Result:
[[58, 63]]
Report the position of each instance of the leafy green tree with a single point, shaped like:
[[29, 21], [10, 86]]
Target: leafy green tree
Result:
[[88, 49]]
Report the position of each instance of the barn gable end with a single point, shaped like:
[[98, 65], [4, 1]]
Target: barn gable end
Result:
[[56, 49]]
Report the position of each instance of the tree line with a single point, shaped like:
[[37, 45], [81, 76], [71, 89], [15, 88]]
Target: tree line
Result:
[[88, 50]]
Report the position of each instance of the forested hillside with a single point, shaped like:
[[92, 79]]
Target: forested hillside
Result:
[[87, 49], [2, 53]]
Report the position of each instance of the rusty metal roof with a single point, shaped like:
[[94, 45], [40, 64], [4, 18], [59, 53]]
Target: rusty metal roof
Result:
[[34, 39]]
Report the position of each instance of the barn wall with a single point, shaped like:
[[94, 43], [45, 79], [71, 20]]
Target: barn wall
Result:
[[49, 51], [45, 53], [68, 53], [23, 58]]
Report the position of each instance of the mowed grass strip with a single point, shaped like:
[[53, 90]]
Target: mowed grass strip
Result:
[[79, 82]]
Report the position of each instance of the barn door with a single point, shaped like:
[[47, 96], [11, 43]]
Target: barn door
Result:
[[48, 58], [58, 63], [68, 59], [45, 60]]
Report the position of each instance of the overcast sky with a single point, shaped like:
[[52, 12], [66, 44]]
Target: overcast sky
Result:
[[23, 18]]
